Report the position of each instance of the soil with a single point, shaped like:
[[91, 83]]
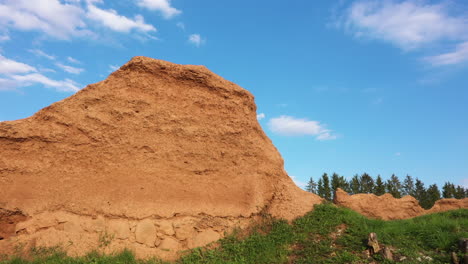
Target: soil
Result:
[[162, 156]]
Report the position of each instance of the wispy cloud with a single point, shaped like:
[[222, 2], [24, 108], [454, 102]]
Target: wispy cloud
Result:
[[66, 85], [113, 67], [291, 126], [73, 60], [8, 66], [17, 74], [69, 69], [111, 19], [196, 40], [260, 116], [459, 55], [4, 37], [410, 25], [41, 53], [180, 25], [163, 6]]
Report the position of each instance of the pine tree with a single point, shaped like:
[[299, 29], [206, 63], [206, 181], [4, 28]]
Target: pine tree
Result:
[[379, 186], [408, 186], [355, 185], [448, 190], [311, 186], [367, 183], [432, 195], [419, 191], [320, 191], [394, 186], [459, 192], [338, 182], [326, 187]]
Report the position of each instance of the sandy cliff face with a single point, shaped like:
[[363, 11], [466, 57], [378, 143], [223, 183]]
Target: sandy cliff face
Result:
[[387, 207], [159, 155]]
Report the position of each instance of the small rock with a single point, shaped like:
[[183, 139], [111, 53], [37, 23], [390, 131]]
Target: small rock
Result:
[[184, 231], [145, 233], [203, 238], [387, 253], [119, 228], [166, 228], [170, 244]]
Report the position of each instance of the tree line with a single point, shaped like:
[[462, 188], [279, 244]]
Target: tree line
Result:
[[326, 186]]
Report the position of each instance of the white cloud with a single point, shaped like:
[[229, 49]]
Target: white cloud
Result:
[[398, 154], [260, 116], [27, 80], [8, 66], [4, 37], [163, 6], [69, 69], [49, 16], [291, 126], [16, 81], [459, 55], [196, 40], [298, 182], [73, 60], [181, 25], [111, 19], [407, 24], [41, 53], [113, 67]]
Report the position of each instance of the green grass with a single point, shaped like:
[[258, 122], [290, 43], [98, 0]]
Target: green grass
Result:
[[313, 238]]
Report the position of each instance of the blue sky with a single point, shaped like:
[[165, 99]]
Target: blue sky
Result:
[[341, 86]]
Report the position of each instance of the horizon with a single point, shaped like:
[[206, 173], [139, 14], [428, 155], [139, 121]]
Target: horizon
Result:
[[346, 87]]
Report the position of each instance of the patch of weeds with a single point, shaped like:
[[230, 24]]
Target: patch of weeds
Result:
[[105, 239]]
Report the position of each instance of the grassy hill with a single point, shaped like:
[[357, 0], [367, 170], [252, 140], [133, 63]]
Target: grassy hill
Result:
[[328, 234]]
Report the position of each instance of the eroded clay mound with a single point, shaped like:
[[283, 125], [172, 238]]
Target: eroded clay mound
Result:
[[448, 204], [387, 207], [155, 141]]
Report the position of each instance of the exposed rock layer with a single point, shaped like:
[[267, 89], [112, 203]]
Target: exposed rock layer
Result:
[[130, 157], [387, 207]]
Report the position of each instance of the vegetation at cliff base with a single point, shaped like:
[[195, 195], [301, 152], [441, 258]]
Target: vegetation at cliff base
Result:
[[328, 234]]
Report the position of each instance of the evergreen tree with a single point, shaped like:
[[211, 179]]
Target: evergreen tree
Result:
[[326, 187], [394, 186], [354, 185], [367, 183], [311, 186], [419, 191], [379, 186], [448, 190], [459, 192], [408, 186], [432, 195], [320, 191], [339, 182]]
